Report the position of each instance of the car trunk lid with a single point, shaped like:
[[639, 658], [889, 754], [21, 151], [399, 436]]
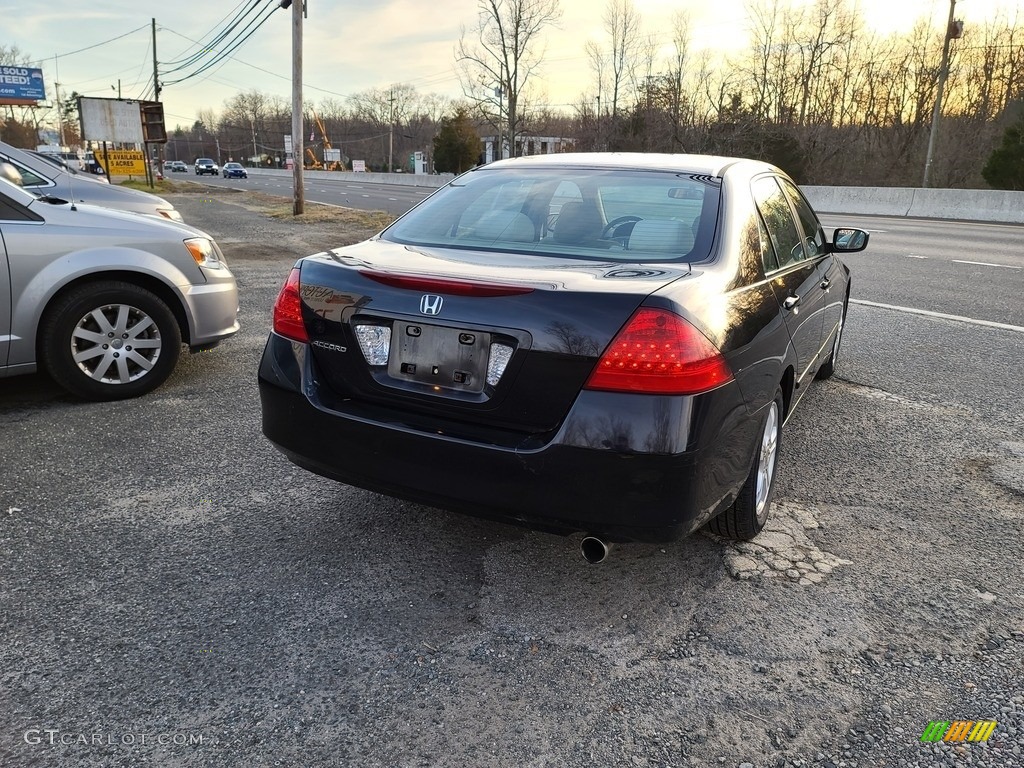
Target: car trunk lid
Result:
[[450, 334]]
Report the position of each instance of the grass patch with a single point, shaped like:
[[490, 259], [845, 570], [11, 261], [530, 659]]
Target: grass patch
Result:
[[163, 186], [317, 214]]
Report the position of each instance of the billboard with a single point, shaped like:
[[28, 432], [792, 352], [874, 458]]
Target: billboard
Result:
[[21, 84], [110, 120]]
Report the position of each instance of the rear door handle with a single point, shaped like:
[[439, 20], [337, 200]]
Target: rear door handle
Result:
[[825, 284], [791, 303]]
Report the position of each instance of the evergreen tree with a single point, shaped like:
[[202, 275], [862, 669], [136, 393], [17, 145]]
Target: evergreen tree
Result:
[[457, 146], [1005, 166]]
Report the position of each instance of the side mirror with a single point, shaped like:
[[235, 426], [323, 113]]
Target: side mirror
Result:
[[849, 241], [12, 174]]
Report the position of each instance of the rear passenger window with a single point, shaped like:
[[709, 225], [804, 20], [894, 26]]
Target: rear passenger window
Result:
[[814, 236], [778, 219]]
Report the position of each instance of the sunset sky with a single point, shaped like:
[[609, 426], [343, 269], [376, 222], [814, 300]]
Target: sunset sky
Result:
[[352, 46]]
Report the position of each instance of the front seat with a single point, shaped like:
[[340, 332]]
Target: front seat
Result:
[[578, 223]]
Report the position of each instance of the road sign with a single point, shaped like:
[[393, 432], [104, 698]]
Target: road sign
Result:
[[123, 162]]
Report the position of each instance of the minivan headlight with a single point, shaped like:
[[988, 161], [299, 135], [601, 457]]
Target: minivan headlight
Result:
[[203, 251]]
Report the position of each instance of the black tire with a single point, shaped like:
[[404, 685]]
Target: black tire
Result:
[[749, 513], [829, 366], [75, 326]]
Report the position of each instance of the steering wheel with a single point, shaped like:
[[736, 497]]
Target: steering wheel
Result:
[[614, 224]]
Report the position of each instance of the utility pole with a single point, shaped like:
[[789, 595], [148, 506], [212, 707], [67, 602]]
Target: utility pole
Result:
[[499, 93], [952, 30], [298, 192], [60, 117], [156, 97], [391, 133]]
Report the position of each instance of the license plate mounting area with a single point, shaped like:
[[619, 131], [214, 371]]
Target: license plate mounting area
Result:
[[438, 356]]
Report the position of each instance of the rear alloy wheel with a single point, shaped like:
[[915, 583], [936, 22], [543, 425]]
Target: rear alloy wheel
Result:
[[829, 366], [749, 513], [110, 341]]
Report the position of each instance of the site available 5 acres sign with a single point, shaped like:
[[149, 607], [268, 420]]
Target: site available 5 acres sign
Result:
[[21, 84], [123, 162]]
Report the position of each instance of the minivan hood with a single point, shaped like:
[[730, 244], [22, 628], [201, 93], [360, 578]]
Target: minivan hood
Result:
[[85, 215]]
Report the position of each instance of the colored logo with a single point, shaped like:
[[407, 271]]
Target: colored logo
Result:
[[959, 730]]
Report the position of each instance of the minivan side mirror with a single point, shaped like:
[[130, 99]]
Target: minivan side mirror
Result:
[[848, 241]]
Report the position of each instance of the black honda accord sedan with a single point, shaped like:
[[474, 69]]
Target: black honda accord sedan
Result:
[[598, 343]]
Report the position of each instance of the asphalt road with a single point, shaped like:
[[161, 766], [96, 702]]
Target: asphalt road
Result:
[[345, 191], [959, 268], [166, 574]]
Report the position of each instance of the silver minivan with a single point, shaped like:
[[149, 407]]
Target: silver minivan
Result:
[[103, 300], [46, 178]]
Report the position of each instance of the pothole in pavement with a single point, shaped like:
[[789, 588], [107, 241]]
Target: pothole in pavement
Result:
[[783, 549]]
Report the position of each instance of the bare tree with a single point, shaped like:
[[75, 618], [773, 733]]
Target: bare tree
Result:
[[622, 22], [500, 53]]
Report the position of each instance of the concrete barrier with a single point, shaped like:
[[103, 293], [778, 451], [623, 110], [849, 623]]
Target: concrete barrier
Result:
[[963, 204]]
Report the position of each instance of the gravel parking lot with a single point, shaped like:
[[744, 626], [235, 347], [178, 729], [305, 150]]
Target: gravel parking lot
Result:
[[174, 593]]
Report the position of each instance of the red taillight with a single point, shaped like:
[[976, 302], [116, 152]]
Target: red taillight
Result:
[[288, 310], [658, 352], [445, 285]]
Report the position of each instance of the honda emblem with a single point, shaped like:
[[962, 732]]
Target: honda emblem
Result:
[[430, 304]]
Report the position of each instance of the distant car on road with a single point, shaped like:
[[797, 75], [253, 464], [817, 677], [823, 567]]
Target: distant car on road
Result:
[[177, 166], [46, 178], [102, 300], [206, 165], [235, 171], [601, 343]]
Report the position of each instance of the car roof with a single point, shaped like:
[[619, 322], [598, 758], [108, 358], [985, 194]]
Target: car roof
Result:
[[711, 165]]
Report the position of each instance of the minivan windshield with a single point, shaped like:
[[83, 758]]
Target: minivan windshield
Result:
[[603, 214]]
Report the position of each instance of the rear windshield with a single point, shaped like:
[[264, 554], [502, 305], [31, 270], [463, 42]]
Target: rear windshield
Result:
[[603, 214]]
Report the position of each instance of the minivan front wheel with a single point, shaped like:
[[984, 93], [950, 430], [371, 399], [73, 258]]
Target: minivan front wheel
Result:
[[109, 341]]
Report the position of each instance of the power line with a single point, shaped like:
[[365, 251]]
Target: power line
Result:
[[208, 48], [266, 71], [232, 46], [195, 43], [89, 47]]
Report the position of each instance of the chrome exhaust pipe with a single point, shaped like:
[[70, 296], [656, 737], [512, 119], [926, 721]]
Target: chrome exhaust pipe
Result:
[[594, 550]]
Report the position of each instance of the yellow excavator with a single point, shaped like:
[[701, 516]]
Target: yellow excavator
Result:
[[314, 164]]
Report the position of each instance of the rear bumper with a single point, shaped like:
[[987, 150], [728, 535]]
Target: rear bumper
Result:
[[592, 476]]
